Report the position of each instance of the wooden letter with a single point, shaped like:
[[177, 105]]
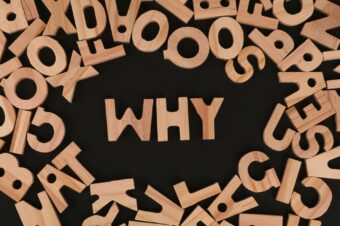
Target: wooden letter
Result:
[[307, 82], [236, 32], [41, 42], [268, 133], [30, 9], [42, 117], [10, 86], [101, 55], [97, 220], [116, 126], [7, 126], [199, 215], [270, 178], [317, 29], [288, 19], [260, 220], [16, 180], [313, 145], [313, 116], [58, 18], [225, 199], [268, 44], [325, 199], [207, 114], [177, 8], [334, 99], [152, 16], [214, 9], [290, 176], [70, 78], [11, 65], [53, 180], [166, 119], [242, 59], [85, 32], [113, 191], [294, 220], [12, 16], [255, 19], [318, 166], [20, 44], [68, 157], [198, 36], [187, 199], [31, 216], [299, 57], [121, 26], [170, 214], [20, 132]]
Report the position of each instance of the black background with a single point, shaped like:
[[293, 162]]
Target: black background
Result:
[[239, 124]]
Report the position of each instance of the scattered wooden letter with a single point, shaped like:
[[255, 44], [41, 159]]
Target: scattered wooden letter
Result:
[[187, 199]]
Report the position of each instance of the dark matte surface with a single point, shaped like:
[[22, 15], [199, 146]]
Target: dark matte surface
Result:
[[239, 127]]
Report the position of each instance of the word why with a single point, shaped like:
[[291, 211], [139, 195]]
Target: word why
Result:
[[165, 119]]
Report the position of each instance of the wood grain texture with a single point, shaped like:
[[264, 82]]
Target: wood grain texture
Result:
[[289, 19], [268, 43], [272, 141], [294, 220], [20, 44], [53, 187], [199, 215], [297, 58], [208, 114], [324, 199], [260, 220], [318, 166], [288, 181], [97, 220], [19, 22], [172, 54], [41, 42], [9, 117], [232, 207], [10, 85], [313, 145], [30, 216], [313, 116], [40, 118], [116, 126], [121, 26], [255, 19], [149, 17], [58, 19], [22, 124], [214, 10], [242, 59], [187, 199], [177, 8], [84, 32], [270, 179], [113, 191], [30, 9], [166, 119], [334, 99], [308, 83], [101, 55], [14, 173], [317, 30], [236, 32], [69, 79], [68, 158], [170, 214]]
